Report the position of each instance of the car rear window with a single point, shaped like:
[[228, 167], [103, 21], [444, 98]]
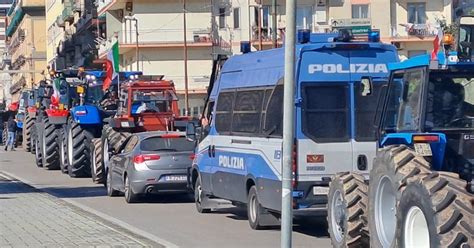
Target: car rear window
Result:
[[166, 144]]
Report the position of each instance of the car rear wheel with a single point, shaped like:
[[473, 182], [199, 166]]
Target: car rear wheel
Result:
[[130, 196], [198, 196], [110, 190]]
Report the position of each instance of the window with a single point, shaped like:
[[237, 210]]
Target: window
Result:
[[155, 144], [225, 103], [360, 11], [414, 53], [409, 116], [221, 17], [266, 16], [273, 121], [236, 18], [132, 142], [365, 110], [326, 112], [304, 17], [247, 109], [416, 13]]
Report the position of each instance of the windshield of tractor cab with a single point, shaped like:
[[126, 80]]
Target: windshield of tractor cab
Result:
[[450, 101], [94, 94], [152, 101]]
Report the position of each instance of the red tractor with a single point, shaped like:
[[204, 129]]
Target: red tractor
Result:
[[147, 103]]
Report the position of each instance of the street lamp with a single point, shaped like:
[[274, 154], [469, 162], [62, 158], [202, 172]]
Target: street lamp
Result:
[[134, 19]]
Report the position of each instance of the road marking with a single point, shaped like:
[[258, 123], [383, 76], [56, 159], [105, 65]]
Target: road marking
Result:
[[106, 217]]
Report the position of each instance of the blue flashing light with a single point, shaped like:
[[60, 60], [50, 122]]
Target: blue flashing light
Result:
[[245, 47], [374, 35], [128, 74], [97, 74], [304, 36]]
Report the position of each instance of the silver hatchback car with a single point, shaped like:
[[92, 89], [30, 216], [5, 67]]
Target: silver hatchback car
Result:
[[150, 163]]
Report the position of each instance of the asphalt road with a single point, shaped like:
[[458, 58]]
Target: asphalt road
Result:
[[173, 219]]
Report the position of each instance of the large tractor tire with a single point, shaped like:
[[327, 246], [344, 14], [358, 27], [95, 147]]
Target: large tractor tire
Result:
[[38, 134], [78, 148], [436, 211], [347, 210], [63, 160], [5, 134], [111, 142], [50, 145], [33, 139], [27, 129], [97, 166], [393, 166]]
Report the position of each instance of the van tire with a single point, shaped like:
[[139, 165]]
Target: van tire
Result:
[[347, 225], [254, 209], [198, 196]]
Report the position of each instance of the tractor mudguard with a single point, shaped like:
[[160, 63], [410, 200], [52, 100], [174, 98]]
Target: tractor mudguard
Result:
[[438, 148], [56, 116], [86, 114]]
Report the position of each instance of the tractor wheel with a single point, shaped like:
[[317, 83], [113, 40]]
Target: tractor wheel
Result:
[[435, 210], [5, 134], [33, 139], [347, 210], [63, 161], [97, 166], [38, 149], [78, 149], [27, 129], [50, 145], [393, 166]]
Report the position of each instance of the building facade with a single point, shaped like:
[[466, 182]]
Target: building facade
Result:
[[408, 24], [163, 47], [5, 79], [26, 35]]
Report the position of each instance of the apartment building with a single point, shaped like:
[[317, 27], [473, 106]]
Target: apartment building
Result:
[[5, 78], [163, 40], [72, 32], [408, 24], [26, 35]]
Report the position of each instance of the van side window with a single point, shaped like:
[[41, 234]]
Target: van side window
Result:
[[247, 109], [326, 112], [365, 111], [225, 103], [273, 125]]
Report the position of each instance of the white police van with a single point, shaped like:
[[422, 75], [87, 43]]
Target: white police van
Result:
[[239, 158]]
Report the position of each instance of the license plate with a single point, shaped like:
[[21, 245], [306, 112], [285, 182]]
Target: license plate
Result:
[[178, 178], [317, 190], [423, 149]]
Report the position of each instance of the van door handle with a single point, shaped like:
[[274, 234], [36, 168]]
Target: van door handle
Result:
[[362, 162], [214, 151], [209, 151]]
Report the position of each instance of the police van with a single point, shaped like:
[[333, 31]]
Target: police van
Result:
[[239, 156]]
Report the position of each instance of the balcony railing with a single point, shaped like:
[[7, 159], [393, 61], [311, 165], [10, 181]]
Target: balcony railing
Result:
[[171, 36]]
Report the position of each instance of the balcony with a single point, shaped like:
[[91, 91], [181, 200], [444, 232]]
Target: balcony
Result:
[[32, 4], [15, 22]]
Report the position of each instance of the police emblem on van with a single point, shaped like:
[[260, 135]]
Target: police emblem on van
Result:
[[353, 68]]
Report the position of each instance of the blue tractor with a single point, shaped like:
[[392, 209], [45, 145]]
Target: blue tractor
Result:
[[421, 185], [91, 106]]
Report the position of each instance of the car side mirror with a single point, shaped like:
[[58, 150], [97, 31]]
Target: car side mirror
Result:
[[366, 86], [191, 132]]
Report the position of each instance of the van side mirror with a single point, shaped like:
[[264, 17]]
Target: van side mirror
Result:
[[366, 86], [191, 132]]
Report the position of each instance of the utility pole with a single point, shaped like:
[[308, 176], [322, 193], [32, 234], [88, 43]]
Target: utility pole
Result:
[[288, 125], [186, 93], [260, 45], [274, 23], [137, 51]]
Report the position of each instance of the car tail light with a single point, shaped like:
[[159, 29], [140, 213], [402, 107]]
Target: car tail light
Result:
[[145, 157], [192, 156]]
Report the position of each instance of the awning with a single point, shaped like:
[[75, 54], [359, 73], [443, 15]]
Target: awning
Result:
[[15, 22]]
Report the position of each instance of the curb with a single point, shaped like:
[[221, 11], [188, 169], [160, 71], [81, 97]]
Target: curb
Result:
[[105, 217]]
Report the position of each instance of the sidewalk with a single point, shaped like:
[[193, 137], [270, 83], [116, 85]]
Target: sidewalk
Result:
[[31, 218]]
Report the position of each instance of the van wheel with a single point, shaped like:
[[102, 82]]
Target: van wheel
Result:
[[254, 209], [198, 196]]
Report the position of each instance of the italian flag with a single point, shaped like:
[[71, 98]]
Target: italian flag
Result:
[[111, 66], [56, 95]]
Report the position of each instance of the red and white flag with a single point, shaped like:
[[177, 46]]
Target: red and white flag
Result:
[[437, 44]]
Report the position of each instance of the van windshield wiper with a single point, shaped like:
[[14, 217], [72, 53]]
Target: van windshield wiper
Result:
[[271, 131]]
